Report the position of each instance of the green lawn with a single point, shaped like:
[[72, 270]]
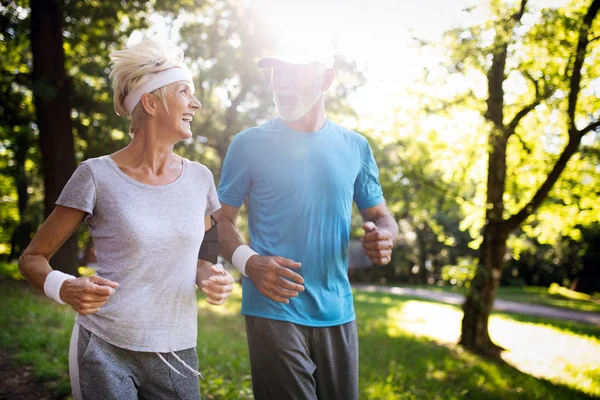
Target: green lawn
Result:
[[407, 350], [554, 296]]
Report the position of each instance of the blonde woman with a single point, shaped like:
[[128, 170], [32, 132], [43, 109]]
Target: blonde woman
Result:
[[147, 208]]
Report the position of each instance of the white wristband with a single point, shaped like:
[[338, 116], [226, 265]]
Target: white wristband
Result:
[[240, 257], [53, 283]]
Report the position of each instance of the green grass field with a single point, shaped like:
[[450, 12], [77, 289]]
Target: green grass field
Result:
[[407, 350]]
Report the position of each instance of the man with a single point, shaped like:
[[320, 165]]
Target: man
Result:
[[300, 174]]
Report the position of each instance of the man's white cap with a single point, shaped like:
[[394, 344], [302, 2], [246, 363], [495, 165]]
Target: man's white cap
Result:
[[300, 50], [297, 59]]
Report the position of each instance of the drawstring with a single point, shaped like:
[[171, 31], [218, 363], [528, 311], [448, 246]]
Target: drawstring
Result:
[[192, 370]]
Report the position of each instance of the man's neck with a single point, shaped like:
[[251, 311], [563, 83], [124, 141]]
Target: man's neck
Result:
[[312, 121]]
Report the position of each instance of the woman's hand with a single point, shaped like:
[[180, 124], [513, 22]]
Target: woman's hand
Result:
[[87, 295], [217, 284]]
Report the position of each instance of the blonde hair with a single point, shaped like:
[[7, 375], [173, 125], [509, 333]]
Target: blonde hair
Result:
[[132, 66]]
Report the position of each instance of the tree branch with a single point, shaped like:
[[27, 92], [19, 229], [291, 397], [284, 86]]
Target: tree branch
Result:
[[447, 192], [523, 143], [574, 86], [513, 222], [591, 127], [445, 105], [520, 115], [574, 135], [517, 17], [536, 83]]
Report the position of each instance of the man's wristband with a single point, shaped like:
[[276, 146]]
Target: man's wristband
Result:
[[240, 257], [53, 283]]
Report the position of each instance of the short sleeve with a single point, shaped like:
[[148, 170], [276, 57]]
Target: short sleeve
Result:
[[367, 190], [80, 190], [212, 200], [234, 184]]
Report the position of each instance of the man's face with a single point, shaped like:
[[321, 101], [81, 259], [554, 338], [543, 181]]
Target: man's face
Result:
[[296, 88]]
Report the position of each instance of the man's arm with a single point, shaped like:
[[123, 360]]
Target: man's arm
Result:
[[381, 230], [230, 237], [270, 274]]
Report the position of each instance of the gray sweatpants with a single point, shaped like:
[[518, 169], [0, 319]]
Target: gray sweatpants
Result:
[[295, 362], [99, 370]]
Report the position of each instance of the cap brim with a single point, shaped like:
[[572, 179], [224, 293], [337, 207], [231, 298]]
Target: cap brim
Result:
[[270, 61]]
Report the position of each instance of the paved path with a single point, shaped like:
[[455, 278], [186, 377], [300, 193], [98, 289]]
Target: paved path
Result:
[[586, 317]]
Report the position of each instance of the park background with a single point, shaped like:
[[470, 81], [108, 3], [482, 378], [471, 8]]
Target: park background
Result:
[[484, 120]]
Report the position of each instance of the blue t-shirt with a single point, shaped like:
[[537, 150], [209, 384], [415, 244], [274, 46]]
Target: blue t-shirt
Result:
[[300, 187]]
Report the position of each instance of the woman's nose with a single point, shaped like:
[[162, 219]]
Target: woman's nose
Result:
[[196, 105]]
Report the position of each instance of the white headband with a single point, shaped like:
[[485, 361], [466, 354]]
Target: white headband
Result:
[[159, 80]]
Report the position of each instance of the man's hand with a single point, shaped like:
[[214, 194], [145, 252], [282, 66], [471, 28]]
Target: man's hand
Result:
[[377, 243], [87, 295], [273, 279], [218, 286]]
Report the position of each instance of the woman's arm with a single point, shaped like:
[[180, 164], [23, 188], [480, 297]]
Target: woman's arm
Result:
[[85, 295], [58, 227]]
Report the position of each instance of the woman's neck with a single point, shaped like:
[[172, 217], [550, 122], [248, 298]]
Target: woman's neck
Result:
[[148, 157]]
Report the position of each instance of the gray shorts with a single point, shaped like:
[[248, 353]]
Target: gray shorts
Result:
[[99, 370], [290, 361]]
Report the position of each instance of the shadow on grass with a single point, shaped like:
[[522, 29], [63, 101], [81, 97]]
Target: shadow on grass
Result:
[[399, 365]]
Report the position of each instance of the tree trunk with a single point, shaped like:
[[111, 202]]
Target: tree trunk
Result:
[[480, 298], [52, 99]]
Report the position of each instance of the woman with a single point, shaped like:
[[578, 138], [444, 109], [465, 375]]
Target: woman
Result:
[[147, 209]]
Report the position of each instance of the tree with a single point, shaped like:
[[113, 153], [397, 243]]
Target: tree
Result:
[[547, 85], [52, 90]]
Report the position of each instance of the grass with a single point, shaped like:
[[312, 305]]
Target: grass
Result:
[[407, 350], [416, 339], [554, 296]]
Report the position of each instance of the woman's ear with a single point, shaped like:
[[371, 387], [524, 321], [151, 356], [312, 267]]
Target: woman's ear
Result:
[[149, 103], [328, 76]]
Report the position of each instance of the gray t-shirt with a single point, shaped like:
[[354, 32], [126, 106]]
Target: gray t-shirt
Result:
[[147, 239]]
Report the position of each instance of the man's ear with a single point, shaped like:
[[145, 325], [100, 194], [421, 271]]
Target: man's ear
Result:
[[149, 103], [328, 77]]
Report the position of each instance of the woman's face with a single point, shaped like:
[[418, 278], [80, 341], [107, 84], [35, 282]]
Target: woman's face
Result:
[[181, 106]]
